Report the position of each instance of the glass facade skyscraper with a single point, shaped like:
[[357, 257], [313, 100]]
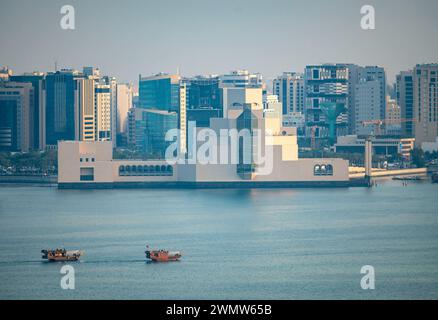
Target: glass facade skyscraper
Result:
[[148, 129], [204, 100], [164, 97], [405, 99], [160, 92], [60, 106], [203, 93], [157, 125]]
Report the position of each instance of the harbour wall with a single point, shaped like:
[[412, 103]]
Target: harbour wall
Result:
[[216, 185]]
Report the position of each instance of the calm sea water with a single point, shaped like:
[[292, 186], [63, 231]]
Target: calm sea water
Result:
[[237, 244]]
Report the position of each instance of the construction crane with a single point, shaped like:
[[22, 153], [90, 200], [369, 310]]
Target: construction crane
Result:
[[378, 123]]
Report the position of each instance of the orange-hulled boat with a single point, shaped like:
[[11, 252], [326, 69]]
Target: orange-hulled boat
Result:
[[162, 255]]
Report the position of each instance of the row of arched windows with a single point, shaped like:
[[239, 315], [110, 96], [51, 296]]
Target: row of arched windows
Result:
[[323, 170], [146, 170]]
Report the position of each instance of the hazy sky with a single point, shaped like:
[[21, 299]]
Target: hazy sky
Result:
[[129, 37]]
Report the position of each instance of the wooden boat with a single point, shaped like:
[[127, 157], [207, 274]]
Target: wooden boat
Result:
[[61, 255], [162, 255]]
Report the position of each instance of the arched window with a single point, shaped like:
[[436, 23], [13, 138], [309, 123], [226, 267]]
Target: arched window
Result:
[[146, 170], [317, 170], [329, 170], [323, 170]]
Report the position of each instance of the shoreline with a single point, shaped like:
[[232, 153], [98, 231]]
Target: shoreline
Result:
[[216, 185], [46, 180], [357, 179]]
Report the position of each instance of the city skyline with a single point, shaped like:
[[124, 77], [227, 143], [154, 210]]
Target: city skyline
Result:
[[278, 36], [213, 157]]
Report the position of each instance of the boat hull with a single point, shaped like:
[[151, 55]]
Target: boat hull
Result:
[[57, 259], [60, 255], [162, 256]]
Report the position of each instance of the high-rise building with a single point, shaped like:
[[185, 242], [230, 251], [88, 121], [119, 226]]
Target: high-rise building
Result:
[[326, 102], [105, 104], [16, 103], [203, 92], [241, 79], [204, 99], [425, 84], [375, 73], [103, 111], [405, 99], [166, 93], [36, 79], [131, 127], [124, 103], [59, 113], [393, 117], [357, 75], [159, 92], [182, 118], [147, 129], [289, 88], [136, 129], [85, 109], [157, 123], [367, 105], [112, 83]]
